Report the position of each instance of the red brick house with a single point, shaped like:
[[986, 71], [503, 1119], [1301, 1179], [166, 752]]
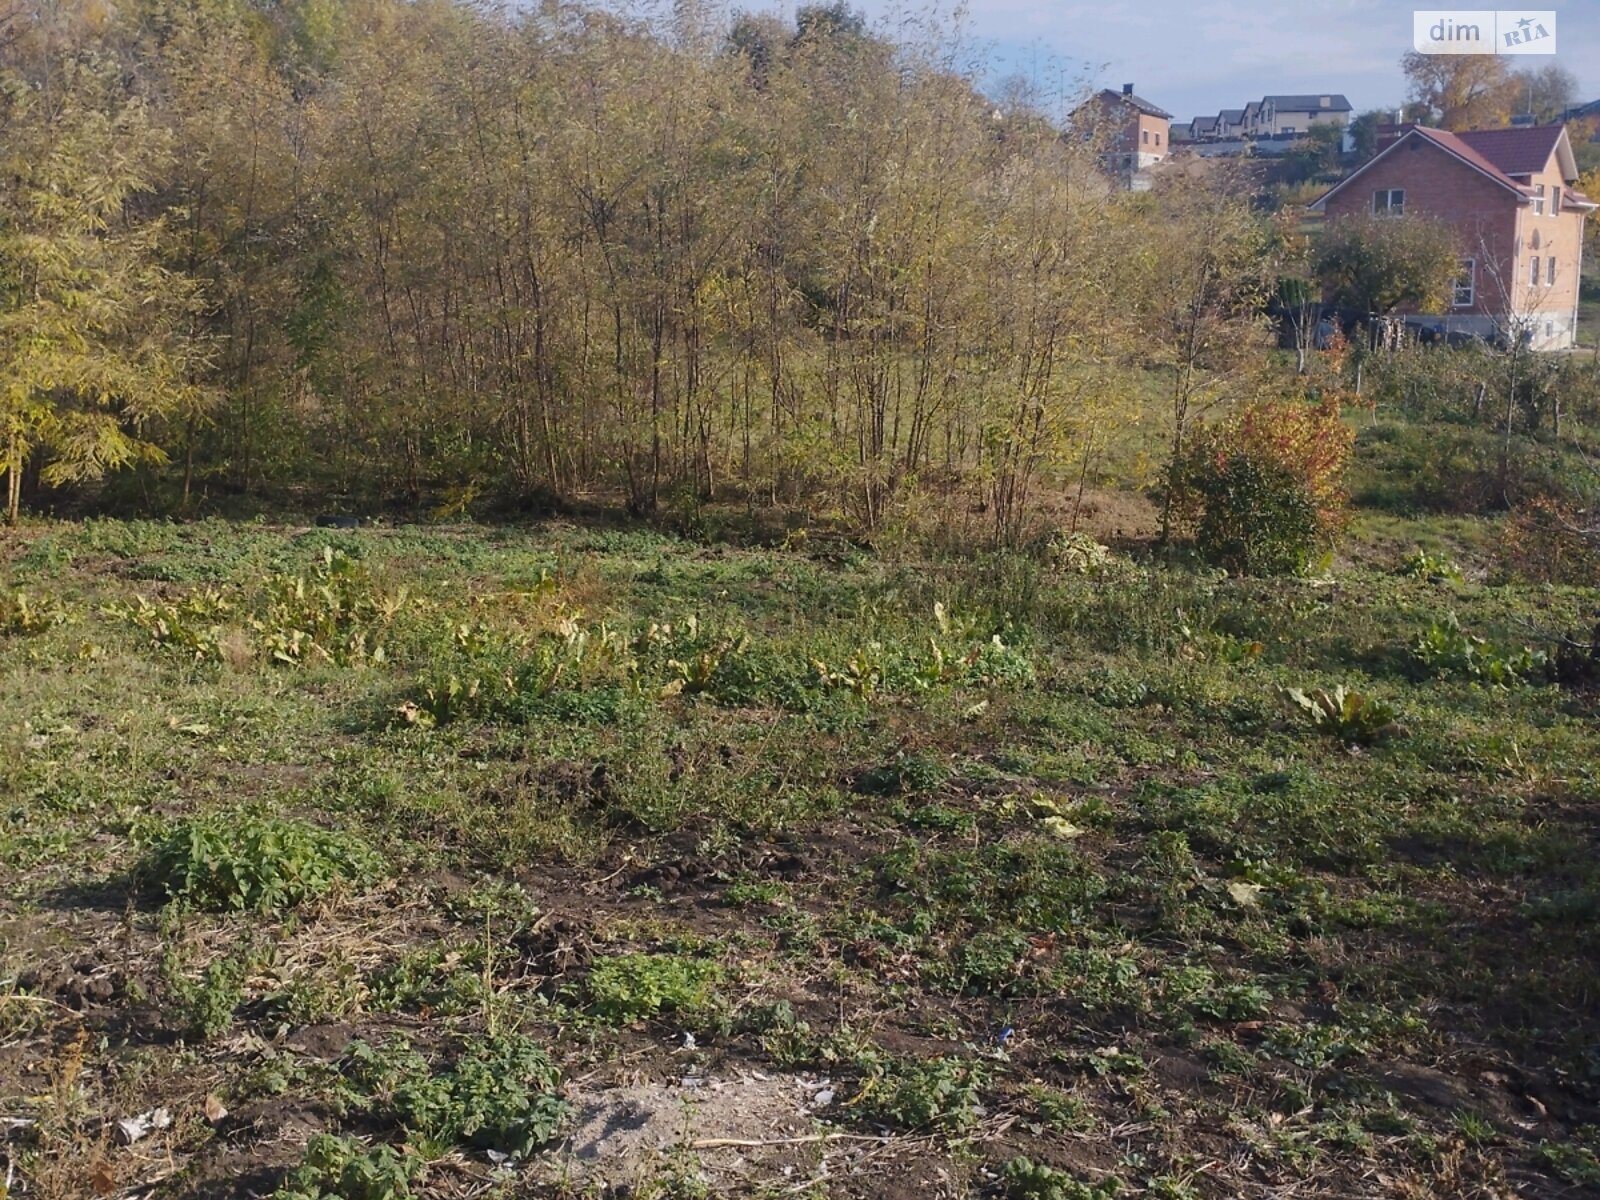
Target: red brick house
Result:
[[1137, 133], [1509, 195]]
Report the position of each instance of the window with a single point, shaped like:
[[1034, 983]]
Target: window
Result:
[[1550, 271], [1538, 200], [1555, 202], [1533, 275], [1158, 139], [1146, 137], [1465, 283], [1389, 202]]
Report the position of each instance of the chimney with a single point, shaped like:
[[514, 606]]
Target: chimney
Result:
[[1127, 89]]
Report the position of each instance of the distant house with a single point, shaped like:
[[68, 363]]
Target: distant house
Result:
[[1181, 131], [1140, 133], [1252, 118], [1296, 114], [1230, 123], [1583, 112], [1509, 195], [1203, 129]]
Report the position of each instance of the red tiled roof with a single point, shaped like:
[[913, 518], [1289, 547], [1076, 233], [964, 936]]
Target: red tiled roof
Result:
[[1519, 151], [1457, 144], [1391, 135]]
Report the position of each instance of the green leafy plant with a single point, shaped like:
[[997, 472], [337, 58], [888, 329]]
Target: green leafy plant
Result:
[[499, 1095], [1025, 1179], [922, 1094], [1346, 715], [343, 1168], [695, 655], [1080, 554], [1576, 1163], [245, 860], [1436, 568], [631, 987], [444, 979], [1212, 646], [336, 613], [193, 625], [22, 616], [1447, 649], [204, 1006], [514, 681]]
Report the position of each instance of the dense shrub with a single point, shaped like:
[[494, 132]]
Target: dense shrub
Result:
[[1263, 491], [1255, 518]]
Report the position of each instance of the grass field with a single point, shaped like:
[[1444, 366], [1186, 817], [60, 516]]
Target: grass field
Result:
[[567, 860]]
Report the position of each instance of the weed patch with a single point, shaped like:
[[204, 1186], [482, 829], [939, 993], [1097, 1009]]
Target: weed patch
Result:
[[248, 861]]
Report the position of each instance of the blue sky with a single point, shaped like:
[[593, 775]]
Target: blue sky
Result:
[[1197, 56]]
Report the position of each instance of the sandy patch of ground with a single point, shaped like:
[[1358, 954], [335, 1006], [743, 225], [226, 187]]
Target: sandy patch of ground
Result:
[[698, 1125]]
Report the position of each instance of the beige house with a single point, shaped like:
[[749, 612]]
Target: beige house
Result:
[[1276, 116], [1519, 220]]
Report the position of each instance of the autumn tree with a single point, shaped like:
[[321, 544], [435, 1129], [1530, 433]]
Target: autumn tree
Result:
[[458, 254], [97, 337], [1203, 278], [1460, 91]]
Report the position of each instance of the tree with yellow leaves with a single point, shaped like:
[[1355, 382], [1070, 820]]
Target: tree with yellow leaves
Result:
[[96, 337], [1460, 91]]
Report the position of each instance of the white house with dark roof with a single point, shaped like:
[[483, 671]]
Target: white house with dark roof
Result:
[[1278, 115]]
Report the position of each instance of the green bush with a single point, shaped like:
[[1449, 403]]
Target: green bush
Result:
[[1256, 518], [247, 861]]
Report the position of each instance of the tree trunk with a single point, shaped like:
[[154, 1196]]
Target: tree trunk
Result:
[[13, 481]]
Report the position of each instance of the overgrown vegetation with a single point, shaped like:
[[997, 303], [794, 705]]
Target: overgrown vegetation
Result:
[[991, 859], [944, 709]]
